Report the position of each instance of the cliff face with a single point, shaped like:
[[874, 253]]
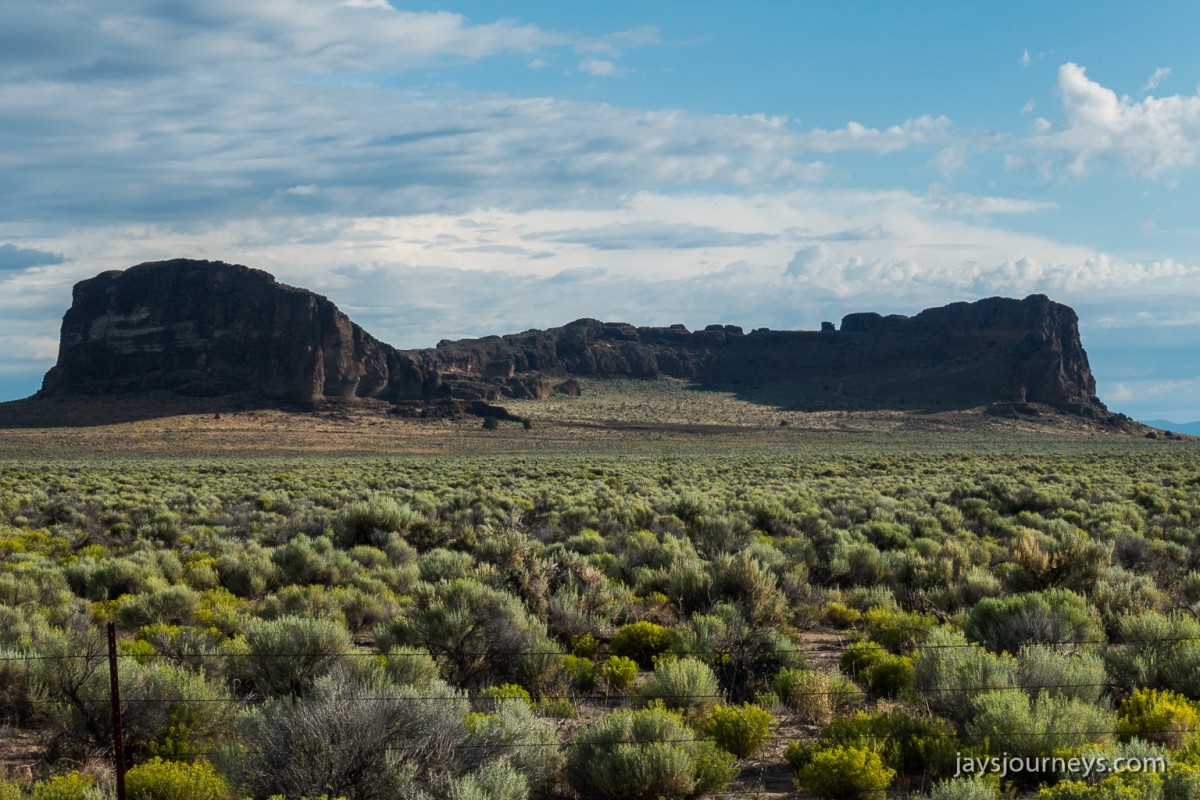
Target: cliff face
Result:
[[206, 328], [209, 328], [961, 355]]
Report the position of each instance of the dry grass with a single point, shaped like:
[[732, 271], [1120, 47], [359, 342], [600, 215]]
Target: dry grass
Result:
[[611, 415]]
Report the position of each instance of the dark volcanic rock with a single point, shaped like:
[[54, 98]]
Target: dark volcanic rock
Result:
[[204, 328], [957, 356]]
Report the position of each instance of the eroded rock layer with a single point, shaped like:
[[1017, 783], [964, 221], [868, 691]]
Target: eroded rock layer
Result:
[[206, 328]]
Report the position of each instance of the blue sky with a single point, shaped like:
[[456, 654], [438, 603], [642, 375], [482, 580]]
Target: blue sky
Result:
[[451, 169]]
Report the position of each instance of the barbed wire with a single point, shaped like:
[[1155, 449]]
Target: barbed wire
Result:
[[963, 736], [596, 697], [722, 651]]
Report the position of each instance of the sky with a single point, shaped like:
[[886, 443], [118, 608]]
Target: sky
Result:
[[452, 169]]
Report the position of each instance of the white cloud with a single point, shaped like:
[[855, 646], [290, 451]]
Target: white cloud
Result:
[[600, 68], [106, 38], [1168, 387], [616, 43], [1158, 77], [924, 130], [1121, 392], [21, 348], [1025, 59], [1028, 107], [1149, 137], [783, 259], [962, 203]]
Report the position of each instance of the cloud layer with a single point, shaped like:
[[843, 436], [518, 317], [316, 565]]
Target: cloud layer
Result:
[[330, 143]]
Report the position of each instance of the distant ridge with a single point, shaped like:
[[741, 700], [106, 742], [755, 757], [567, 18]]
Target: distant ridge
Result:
[[1190, 428], [210, 329]]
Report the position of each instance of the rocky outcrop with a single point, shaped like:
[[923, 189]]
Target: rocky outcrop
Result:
[[960, 355], [205, 328]]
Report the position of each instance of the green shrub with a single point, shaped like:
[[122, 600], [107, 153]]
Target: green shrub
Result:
[[1151, 756], [556, 707], [173, 605], [1055, 615], [642, 641], [407, 666], [582, 672], [743, 656], [1156, 651], [839, 615], [478, 634], [752, 587], [619, 672], [440, 564], [1124, 786], [861, 656], [799, 754], [507, 692], [168, 709], [973, 788], [497, 780], [898, 630], [512, 733], [1182, 782], [645, 755], [915, 745], [174, 780], [1015, 723], [248, 574], [949, 672], [687, 684], [348, 739], [890, 676], [846, 773], [878, 670], [10, 791], [284, 656], [372, 521], [739, 730], [1041, 668], [1158, 716], [808, 693], [72, 786]]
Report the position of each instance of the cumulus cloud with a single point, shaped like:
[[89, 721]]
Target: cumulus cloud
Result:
[[1149, 137]]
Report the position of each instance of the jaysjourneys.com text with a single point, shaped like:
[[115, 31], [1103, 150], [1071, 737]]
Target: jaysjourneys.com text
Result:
[[1004, 765]]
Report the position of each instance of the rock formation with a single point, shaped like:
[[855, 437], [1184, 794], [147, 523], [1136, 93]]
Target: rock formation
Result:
[[206, 328]]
